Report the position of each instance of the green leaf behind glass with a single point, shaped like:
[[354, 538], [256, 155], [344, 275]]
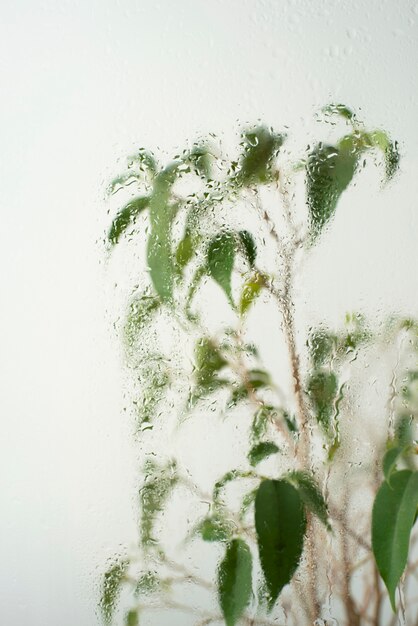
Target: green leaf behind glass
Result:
[[389, 461], [140, 313], [261, 451], [159, 254], [159, 482], [208, 362], [112, 582], [125, 217], [261, 146], [329, 171], [248, 244], [132, 618], [220, 260], [250, 291], [394, 511], [215, 528], [235, 581], [322, 391], [280, 523], [311, 495]]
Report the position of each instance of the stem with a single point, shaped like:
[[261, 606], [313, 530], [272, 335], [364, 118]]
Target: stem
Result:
[[184, 608], [255, 398], [303, 452], [207, 617], [201, 582], [315, 606], [284, 300], [335, 514], [378, 596], [350, 607]]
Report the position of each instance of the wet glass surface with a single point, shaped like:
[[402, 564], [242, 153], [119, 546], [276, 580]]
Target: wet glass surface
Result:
[[209, 322]]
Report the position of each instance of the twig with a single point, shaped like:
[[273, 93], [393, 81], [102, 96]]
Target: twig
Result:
[[350, 607], [259, 402], [284, 301], [179, 606], [177, 567]]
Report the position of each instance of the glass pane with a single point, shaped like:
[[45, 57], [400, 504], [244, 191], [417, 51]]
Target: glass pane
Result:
[[209, 324]]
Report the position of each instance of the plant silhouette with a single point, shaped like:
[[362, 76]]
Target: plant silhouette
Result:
[[297, 518]]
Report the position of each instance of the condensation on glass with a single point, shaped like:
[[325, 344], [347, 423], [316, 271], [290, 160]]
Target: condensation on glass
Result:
[[212, 385]]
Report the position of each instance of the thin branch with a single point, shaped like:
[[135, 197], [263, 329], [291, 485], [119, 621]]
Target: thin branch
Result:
[[303, 451], [259, 402], [173, 605], [177, 567], [350, 607], [338, 517]]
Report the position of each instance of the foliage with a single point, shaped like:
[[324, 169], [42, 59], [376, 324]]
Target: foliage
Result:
[[273, 543], [234, 581]]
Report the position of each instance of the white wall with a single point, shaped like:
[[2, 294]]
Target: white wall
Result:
[[82, 84]]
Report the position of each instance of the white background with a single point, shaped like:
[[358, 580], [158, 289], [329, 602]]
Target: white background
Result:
[[83, 83]]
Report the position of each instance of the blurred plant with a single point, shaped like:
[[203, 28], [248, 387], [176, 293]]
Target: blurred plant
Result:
[[295, 534]]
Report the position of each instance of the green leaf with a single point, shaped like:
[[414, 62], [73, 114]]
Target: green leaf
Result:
[[290, 423], [144, 161], [392, 158], [162, 210], [185, 251], [329, 171], [125, 217], [235, 581], [260, 421], [311, 495], [393, 516], [215, 528], [261, 146], [132, 618], [138, 164], [140, 312], [333, 449], [280, 523], [247, 501], [159, 482], [389, 462], [257, 379], [112, 582], [379, 139], [250, 291], [201, 160], [208, 362], [410, 390], [154, 383], [272, 414], [147, 584], [322, 345], [403, 430], [153, 376], [220, 261], [227, 478], [322, 390], [194, 285], [249, 246], [123, 180], [188, 245], [339, 109], [261, 451]]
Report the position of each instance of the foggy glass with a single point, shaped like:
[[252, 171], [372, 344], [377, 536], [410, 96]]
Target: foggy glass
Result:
[[86, 86]]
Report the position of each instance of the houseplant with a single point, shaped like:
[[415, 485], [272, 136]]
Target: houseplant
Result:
[[298, 520]]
